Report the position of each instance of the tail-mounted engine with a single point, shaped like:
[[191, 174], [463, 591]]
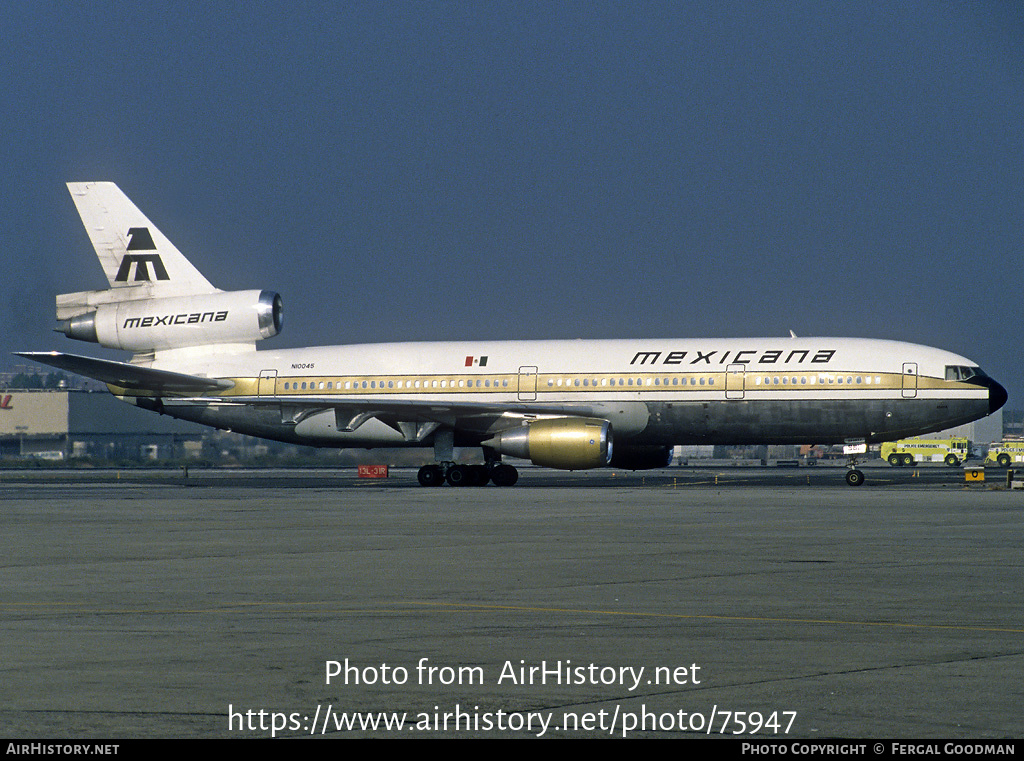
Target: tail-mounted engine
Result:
[[141, 325], [565, 443]]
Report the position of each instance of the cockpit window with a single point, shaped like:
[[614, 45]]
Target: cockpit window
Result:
[[963, 373]]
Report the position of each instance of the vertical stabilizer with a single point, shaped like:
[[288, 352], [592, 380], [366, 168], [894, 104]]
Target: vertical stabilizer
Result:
[[134, 254]]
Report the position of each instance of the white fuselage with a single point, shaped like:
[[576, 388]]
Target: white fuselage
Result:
[[665, 391]]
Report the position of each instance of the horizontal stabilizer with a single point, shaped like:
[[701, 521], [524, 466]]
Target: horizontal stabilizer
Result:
[[127, 376]]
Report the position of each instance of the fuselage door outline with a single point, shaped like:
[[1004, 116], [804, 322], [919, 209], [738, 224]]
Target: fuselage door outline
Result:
[[528, 383], [268, 383], [735, 375], [909, 380]]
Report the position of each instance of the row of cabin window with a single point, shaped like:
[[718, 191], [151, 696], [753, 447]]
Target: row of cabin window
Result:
[[498, 383], [820, 379], [557, 382], [585, 382], [329, 385]]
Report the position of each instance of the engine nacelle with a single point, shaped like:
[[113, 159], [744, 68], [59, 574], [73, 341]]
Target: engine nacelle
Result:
[[564, 443], [643, 457], [169, 323]]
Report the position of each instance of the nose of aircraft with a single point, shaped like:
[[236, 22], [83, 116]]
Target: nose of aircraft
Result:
[[996, 395]]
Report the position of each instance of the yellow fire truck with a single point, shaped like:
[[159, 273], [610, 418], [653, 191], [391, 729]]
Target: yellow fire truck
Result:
[[1006, 452], [910, 451]]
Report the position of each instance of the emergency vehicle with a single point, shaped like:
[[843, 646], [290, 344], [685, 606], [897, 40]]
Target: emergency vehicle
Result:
[[1005, 452], [911, 451]]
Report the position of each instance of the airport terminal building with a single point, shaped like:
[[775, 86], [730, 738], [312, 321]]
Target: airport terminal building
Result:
[[61, 424]]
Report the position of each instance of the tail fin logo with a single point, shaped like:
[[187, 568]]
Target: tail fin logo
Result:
[[139, 239], [141, 262]]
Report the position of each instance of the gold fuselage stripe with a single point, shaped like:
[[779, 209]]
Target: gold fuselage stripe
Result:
[[543, 384]]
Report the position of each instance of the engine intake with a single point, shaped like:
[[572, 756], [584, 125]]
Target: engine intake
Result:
[[564, 443]]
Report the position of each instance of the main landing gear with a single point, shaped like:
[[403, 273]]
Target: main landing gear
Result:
[[468, 475], [445, 470]]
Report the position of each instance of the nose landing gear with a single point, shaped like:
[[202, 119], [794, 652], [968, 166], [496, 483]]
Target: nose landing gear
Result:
[[854, 476]]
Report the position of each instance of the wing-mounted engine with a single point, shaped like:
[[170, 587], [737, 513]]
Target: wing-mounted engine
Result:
[[565, 443], [156, 324]]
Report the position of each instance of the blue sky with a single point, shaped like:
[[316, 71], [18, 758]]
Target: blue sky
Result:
[[471, 170]]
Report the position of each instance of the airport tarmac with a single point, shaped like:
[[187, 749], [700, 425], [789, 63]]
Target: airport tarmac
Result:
[[678, 604]]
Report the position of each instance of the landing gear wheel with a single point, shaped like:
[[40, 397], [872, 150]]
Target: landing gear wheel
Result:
[[854, 477], [459, 475], [504, 475], [430, 475], [478, 475]]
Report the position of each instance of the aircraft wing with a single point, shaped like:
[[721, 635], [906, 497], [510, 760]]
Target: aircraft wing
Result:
[[127, 375], [416, 418]]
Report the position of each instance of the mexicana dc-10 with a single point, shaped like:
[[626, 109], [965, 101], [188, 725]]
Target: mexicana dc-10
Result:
[[559, 404]]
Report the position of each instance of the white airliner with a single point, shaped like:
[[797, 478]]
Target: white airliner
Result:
[[560, 404]]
